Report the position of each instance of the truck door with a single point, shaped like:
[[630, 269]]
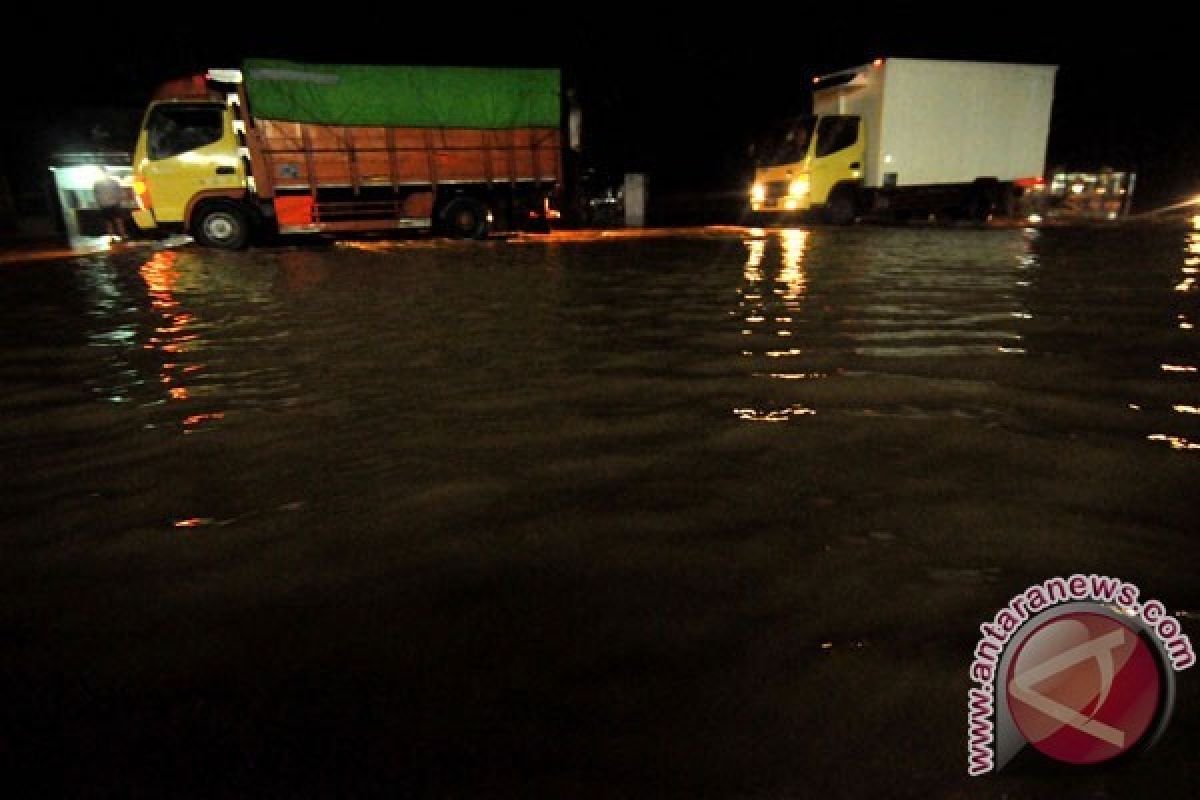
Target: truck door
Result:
[[188, 148], [837, 155]]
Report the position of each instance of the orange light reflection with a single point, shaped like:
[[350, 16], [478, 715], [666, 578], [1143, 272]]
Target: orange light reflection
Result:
[[173, 337]]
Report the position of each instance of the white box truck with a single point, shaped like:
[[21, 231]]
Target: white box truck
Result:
[[906, 136]]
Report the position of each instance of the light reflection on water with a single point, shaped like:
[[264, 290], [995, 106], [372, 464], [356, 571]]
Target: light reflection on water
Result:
[[1175, 435], [429, 348], [190, 337], [167, 328], [843, 312]]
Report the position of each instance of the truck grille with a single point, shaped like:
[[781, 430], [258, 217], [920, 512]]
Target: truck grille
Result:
[[776, 190]]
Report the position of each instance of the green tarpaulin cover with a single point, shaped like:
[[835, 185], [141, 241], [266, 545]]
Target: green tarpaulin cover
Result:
[[419, 97]]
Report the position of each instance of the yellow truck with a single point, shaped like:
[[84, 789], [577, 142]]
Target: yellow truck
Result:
[[909, 136], [316, 148]]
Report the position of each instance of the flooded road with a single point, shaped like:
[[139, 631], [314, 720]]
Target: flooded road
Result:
[[711, 514]]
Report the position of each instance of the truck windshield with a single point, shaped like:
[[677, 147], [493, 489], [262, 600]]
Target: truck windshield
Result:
[[786, 143], [174, 129]]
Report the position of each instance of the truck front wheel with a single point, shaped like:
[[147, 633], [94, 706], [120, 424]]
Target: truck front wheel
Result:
[[842, 207], [978, 206], [221, 225]]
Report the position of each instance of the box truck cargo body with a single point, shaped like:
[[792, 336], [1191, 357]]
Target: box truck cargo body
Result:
[[910, 133], [300, 148]]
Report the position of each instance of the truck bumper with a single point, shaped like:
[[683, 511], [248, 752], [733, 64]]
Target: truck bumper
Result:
[[144, 219], [789, 205]]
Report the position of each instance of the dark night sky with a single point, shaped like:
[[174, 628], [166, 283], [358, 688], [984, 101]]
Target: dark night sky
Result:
[[677, 93]]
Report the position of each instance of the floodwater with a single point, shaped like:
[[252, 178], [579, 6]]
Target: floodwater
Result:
[[709, 514]]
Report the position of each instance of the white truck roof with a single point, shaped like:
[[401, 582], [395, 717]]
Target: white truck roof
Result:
[[942, 122]]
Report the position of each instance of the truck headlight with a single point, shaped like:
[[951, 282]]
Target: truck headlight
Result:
[[798, 187], [758, 193]]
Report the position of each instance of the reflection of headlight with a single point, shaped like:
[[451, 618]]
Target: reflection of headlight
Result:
[[798, 187], [758, 193]]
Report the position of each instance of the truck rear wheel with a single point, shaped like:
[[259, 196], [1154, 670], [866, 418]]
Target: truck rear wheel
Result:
[[221, 225], [466, 218], [842, 207]]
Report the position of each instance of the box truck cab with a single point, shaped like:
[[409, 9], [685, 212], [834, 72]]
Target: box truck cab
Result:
[[301, 148], [908, 135], [806, 161]]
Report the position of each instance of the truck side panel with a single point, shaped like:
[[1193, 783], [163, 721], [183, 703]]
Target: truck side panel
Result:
[[947, 122], [307, 156]]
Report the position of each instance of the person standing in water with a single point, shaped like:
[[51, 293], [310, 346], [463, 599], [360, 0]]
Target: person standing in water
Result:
[[110, 197]]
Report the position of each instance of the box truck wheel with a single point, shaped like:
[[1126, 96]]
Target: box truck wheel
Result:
[[221, 225], [842, 206], [466, 218], [979, 205]]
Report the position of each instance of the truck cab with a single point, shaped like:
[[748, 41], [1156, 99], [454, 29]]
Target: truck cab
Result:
[[805, 162], [187, 165]]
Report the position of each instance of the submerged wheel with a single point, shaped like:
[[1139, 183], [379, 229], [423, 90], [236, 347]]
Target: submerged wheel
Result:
[[841, 208], [223, 226], [979, 206], [466, 218]]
